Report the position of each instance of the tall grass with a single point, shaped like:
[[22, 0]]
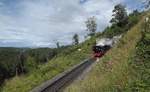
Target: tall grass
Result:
[[140, 66], [111, 73]]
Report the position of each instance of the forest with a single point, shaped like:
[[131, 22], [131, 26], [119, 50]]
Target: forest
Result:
[[18, 61]]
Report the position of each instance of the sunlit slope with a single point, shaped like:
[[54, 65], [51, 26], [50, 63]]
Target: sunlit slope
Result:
[[63, 61], [111, 73]]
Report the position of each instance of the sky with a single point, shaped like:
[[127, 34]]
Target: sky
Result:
[[42, 23]]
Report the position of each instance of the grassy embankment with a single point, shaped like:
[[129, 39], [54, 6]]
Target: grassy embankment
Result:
[[140, 65], [63, 61], [112, 72]]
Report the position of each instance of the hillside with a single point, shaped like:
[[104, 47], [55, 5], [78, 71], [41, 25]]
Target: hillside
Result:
[[64, 60], [70, 56], [118, 70]]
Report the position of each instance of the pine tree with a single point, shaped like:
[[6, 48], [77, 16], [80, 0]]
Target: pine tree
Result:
[[75, 39], [57, 44], [120, 15]]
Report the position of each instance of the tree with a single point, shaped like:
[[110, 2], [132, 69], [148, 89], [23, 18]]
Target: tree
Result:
[[120, 15], [147, 4], [75, 39], [133, 18], [3, 74], [57, 44], [146, 27], [20, 66], [135, 12], [91, 25]]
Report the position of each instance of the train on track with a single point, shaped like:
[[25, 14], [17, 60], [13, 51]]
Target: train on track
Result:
[[102, 46]]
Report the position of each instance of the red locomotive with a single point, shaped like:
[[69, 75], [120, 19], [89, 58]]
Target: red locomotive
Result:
[[101, 47], [99, 51]]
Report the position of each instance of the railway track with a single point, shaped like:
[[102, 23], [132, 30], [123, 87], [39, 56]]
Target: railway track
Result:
[[60, 81]]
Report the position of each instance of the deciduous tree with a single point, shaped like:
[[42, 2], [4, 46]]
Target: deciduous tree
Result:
[[75, 39], [91, 25]]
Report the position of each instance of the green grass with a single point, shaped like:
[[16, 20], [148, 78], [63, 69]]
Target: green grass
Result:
[[47, 71], [112, 72], [140, 65]]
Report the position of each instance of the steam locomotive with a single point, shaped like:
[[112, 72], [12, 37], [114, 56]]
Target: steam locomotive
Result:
[[101, 47]]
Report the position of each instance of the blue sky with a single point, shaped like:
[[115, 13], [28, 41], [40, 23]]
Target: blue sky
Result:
[[41, 23]]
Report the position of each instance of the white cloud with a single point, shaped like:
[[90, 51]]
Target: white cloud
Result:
[[40, 22]]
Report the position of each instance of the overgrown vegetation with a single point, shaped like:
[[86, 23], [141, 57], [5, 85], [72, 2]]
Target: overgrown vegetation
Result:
[[140, 65], [112, 72]]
